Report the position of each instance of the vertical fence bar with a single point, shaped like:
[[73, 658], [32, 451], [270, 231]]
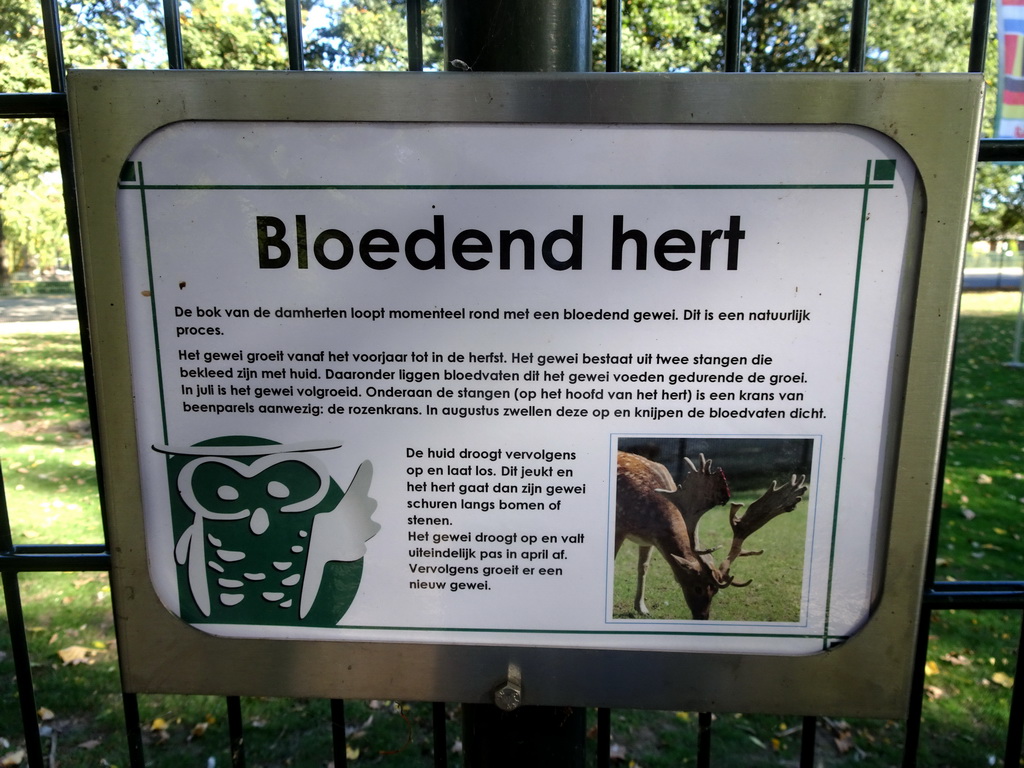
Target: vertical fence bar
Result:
[[414, 34], [979, 35], [808, 734], [54, 46], [339, 737], [613, 36], [526, 36], [172, 32], [540, 737], [542, 36], [133, 730], [293, 31], [704, 720], [22, 669], [1015, 725], [439, 720], [62, 130], [604, 737], [858, 36], [19, 642], [236, 731], [733, 27], [915, 710], [16, 621]]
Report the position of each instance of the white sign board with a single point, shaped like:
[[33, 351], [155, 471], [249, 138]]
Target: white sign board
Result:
[[387, 375], [423, 369]]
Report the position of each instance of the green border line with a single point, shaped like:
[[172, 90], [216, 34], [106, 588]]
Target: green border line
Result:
[[152, 299], [491, 187], [828, 640], [846, 403], [491, 630]]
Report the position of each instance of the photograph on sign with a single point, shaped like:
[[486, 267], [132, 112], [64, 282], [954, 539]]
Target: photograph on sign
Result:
[[393, 378], [698, 540]]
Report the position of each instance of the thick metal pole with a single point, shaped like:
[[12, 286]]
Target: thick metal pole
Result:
[[521, 36]]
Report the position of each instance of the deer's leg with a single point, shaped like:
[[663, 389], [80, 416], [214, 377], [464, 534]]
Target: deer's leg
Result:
[[642, 566]]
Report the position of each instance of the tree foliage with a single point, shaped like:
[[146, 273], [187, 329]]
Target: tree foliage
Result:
[[98, 34], [370, 35], [221, 35], [656, 36]]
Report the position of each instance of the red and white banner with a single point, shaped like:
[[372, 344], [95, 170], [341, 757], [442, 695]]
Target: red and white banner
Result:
[[1010, 115]]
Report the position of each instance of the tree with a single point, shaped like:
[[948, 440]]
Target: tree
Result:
[[219, 35], [656, 35], [371, 35], [99, 34]]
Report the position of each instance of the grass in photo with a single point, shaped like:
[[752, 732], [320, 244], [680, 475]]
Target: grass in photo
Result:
[[711, 528]]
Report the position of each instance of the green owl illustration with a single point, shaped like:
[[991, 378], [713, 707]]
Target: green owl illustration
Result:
[[264, 535]]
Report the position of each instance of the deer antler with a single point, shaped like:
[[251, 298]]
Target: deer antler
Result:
[[777, 500], [701, 490]]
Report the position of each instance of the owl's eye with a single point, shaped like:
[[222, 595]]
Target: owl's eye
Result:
[[227, 493], [278, 489]]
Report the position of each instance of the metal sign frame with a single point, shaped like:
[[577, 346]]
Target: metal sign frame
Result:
[[869, 674]]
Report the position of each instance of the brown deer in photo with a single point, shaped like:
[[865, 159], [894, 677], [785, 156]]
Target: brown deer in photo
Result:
[[651, 510]]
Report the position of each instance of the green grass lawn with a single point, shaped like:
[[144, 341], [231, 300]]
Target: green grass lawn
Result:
[[49, 473], [776, 576]]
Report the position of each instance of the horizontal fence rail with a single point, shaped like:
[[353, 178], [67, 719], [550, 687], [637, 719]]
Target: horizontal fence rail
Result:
[[25, 559]]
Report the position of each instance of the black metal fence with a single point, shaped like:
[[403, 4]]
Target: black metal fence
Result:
[[1005, 596]]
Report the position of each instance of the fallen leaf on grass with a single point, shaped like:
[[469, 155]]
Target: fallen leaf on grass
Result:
[[12, 758], [957, 659], [1003, 679], [934, 692], [616, 752], [842, 734], [45, 714], [76, 654], [352, 753], [159, 729], [90, 744], [198, 730], [931, 668], [984, 479], [844, 742]]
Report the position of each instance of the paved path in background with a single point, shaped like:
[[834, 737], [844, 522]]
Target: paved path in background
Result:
[[38, 314]]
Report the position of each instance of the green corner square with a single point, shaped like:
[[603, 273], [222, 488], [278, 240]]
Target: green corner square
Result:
[[128, 172], [885, 170]]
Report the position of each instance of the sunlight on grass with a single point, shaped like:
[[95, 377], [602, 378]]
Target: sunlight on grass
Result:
[[50, 476], [45, 441]]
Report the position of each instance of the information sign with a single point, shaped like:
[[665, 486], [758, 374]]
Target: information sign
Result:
[[411, 360], [519, 383]]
